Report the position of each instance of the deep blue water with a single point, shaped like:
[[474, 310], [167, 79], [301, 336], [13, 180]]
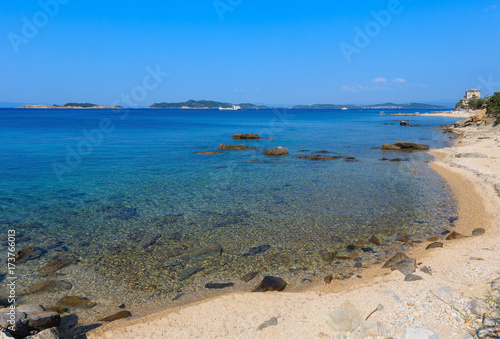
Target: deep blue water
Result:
[[61, 179]]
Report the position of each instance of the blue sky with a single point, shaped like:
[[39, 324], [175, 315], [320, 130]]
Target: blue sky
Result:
[[270, 52]]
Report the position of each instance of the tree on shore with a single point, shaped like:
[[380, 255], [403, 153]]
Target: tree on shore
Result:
[[476, 103], [494, 105]]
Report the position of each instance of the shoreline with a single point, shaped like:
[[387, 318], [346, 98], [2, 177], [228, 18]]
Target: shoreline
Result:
[[406, 304]]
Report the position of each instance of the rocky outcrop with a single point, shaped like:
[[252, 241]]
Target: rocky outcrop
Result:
[[242, 136], [276, 151], [405, 146], [29, 319], [320, 157]]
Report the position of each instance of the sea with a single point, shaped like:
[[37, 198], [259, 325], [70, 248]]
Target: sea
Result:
[[125, 204]]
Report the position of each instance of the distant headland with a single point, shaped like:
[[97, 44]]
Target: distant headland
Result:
[[205, 104], [71, 105], [208, 104]]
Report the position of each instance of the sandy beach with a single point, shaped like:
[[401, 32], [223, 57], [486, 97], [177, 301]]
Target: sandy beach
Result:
[[462, 270]]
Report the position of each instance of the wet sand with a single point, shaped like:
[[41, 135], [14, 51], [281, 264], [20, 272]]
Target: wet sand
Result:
[[457, 275]]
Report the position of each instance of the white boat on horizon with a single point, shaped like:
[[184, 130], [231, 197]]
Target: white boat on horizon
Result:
[[344, 108], [233, 108]]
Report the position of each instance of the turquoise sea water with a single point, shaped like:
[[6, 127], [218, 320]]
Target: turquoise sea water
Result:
[[105, 194]]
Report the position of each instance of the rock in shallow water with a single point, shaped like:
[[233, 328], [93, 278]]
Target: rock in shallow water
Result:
[[276, 151], [202, 253], [123, 214], [117, 316], [28, 253], [241, 136], [188, 272], [395, 259], [436, 244], [271, 284], [73, 302], [374, 240], [405, 146], [55, 265], [249, 276], [223, 147], [455, 235], [48, 286], [257, 250], [151, 240], [218, 286]]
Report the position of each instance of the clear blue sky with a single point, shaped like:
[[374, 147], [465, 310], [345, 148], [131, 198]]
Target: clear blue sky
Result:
[[271, 52]]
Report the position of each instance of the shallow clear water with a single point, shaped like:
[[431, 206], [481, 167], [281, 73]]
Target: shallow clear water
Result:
[[142, 179]]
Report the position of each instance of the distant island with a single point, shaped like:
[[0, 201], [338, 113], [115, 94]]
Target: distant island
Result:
[[202, 104], [71, 105], [206, 104]]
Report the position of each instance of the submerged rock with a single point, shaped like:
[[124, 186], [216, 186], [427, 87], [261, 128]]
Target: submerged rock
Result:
[[249, 276], [320, 157], [48, 286], [276, 151], [55, 265], [223, 147], [405, 146], [271, 284], [117, 316], [28, 253], [151, 240], [218, 286], [402, 237], [374, 240], [208, 153], [188, 272], [73, 302], [123, 214], [328, 256], [257, 250], [202, 253]]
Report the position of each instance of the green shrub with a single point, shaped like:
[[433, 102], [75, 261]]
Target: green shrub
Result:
[[494, 105]]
